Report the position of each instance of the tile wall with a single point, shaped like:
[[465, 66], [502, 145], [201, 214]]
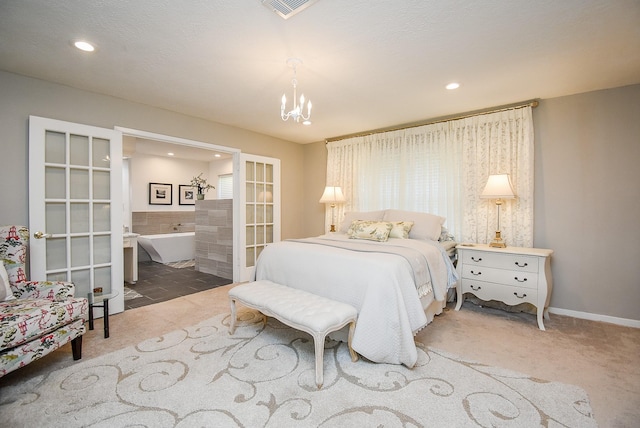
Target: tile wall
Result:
[[158, 222], [214, 237]]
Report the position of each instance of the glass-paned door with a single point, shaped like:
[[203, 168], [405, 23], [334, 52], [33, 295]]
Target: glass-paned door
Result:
[[75, 206], [260, 215]]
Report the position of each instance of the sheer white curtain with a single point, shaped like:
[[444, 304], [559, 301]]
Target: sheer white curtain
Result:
[[442, 169]]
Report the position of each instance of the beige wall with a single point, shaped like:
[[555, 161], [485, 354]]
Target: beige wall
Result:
[[587, 199], [315, 173], [587, 178], [23, 96]]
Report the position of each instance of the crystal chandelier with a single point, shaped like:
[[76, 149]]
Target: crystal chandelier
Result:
[[296, 113]]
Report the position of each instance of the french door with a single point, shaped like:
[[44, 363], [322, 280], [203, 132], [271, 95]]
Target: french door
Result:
[[259, 191], [75, 206]]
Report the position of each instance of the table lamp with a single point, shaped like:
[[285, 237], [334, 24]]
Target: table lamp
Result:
[[332, 195], [498, 187]]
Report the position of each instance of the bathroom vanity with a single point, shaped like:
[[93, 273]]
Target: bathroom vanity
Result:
[[130, 248]]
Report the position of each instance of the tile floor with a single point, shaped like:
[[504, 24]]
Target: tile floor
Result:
[[159, 283]]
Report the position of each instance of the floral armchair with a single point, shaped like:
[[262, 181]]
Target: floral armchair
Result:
[[36, 317]]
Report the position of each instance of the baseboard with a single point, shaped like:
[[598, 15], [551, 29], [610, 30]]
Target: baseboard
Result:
[[596, 317]]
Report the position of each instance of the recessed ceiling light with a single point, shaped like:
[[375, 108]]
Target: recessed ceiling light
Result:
[[306, 122], [84, 46], [217, 155], [453, 85], [170, 154]]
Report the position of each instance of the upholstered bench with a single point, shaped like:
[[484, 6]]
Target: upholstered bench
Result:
[[299, 309]]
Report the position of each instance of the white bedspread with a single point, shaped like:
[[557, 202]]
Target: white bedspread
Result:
[[379, 284]]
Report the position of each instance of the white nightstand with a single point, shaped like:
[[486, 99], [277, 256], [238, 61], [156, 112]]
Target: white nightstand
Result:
[[512, 275]]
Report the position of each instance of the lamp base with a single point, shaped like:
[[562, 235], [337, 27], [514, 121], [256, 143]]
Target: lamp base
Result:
[[498, 242]]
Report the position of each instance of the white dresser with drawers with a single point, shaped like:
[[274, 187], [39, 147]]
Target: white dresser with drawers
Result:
[[511, 275]]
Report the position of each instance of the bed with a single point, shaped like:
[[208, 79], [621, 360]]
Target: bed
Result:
[[397, 281]]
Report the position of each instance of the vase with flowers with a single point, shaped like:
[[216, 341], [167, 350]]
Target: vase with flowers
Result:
[[201, 185]]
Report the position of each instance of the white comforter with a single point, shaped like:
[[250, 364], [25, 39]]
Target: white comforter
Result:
[[381, 286]]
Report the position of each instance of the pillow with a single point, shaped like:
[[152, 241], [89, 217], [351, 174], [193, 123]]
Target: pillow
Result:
[[351, 216], [370, 230], [425, 225], [400, 229], [5, 287], [445, 235]]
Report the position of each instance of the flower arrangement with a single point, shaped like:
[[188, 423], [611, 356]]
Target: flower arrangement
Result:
[[201, 184]]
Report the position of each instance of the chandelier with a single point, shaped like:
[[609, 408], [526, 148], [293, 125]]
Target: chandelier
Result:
[[296, 113]]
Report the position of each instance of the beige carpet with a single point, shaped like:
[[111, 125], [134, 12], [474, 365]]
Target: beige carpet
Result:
[[603, 359], [264, 376]]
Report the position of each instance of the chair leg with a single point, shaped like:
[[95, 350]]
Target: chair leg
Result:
[[76, 347]]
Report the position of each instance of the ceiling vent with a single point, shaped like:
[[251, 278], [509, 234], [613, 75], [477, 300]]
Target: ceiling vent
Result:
[[287, 8]]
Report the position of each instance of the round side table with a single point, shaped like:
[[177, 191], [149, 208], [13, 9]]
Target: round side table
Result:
[[101, 300]]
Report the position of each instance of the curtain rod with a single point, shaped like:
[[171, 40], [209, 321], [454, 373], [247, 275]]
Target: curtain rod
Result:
[[532, 103]]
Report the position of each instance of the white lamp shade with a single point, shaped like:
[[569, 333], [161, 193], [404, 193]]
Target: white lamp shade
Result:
[[498, 187], [332, 195]]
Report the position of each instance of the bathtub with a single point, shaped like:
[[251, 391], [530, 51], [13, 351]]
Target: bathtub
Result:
[[169, 247]]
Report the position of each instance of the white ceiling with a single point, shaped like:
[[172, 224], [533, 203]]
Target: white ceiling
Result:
[[135, 145], [367, 64]]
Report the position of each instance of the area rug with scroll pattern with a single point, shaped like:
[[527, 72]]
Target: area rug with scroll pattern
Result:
[[263, 376], [130, 294]]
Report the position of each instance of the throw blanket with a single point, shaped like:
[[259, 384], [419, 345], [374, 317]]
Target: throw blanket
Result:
[[379, 284], [432, 267]]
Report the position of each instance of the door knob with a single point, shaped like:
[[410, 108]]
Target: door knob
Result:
[[40, 235]]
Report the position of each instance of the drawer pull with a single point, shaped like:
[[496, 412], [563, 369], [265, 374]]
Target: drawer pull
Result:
[[525, 264], [479, 259], [476, 273], [520, 297], [520, 280], [475, 288]]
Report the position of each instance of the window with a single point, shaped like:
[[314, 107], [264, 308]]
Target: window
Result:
[[225, 186], [441, 168]]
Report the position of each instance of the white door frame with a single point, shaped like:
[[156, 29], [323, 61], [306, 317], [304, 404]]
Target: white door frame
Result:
[[206, 146]]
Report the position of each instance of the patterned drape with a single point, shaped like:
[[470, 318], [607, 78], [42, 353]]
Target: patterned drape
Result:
[[442, 168]]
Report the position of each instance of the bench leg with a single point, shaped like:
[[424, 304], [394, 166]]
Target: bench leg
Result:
[[232, 322], [234, 316], [318, 341], [354, 354]]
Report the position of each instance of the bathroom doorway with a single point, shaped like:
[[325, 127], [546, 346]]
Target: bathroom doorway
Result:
[[168, 163], [256, 203]]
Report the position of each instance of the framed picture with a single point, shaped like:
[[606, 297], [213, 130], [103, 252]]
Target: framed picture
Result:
[[160, 194], [187, 194]]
